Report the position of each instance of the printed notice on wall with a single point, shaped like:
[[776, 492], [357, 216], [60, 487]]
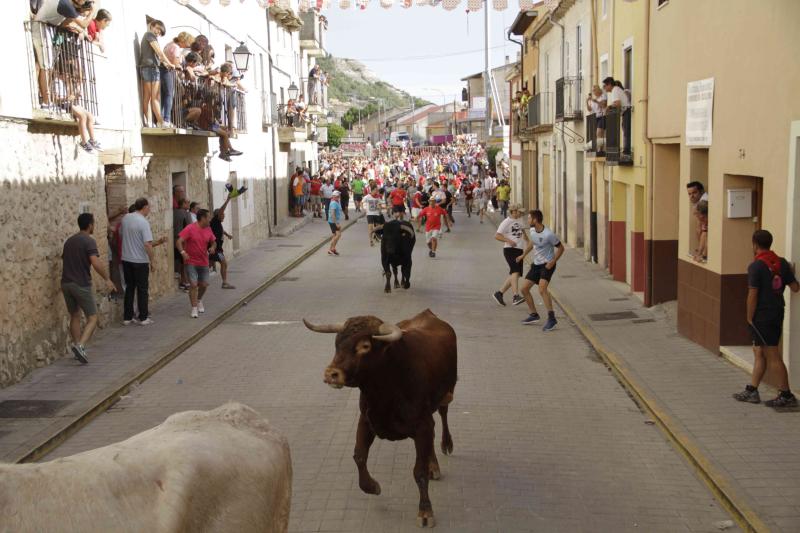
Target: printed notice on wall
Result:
[[699, 111]]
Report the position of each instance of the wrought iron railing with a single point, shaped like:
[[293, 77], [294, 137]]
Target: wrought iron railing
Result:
[[208, 102], [591, 133], [618, 135], [540, 110], [62, 71], [568, 98]]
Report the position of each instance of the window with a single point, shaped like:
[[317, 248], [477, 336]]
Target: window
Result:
[[578, 52], [662, 3], [547, 71], [566, 58], [627, 65], [604, 8], [603, 66]]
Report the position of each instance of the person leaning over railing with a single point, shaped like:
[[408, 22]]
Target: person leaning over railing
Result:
[[151, 58], [189, 103], [212, 110], [174, 53]]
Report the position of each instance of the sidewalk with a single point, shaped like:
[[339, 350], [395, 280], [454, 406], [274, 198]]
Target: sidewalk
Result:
[[53, 402], [749, 454]]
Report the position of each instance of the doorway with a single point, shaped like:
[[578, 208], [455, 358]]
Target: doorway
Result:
[[545, 204], [662, 245], [579, 199]]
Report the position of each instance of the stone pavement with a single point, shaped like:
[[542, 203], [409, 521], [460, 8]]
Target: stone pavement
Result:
[[545, 437], [752, 448], [120, 354]]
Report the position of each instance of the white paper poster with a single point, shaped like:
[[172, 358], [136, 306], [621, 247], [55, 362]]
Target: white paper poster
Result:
[[699, 112]]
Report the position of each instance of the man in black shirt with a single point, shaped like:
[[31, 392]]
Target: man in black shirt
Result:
[[767, 276], [79, 256], [220, 234]]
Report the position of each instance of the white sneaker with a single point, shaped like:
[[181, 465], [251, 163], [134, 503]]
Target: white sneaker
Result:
[[200, 308], [194, 312], [145, 322], [127, 322]]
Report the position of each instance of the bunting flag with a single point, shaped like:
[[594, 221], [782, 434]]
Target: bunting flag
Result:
[[447, 5]]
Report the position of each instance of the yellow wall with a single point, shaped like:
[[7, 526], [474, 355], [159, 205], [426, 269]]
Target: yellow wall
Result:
[[752, 56]]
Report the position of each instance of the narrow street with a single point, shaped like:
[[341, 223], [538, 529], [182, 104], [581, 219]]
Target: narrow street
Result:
[[545, 438]]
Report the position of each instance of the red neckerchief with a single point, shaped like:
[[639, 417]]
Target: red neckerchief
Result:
[[772, 260]]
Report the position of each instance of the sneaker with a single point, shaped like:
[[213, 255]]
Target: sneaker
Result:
[[200, 308], [80, 353], [782, 401], [228, 286], [225, 157], [86, 147], [235, 152], [96, 145], [550, 325], [127, 322], [194, 312], [498, 297], [330, 252], [532, 319], [517, 299], [145, 322], [433, 254], [748, 395], [335, 252]]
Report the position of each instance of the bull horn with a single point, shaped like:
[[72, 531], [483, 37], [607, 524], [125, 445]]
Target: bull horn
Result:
[[324, 328], [388, 333]]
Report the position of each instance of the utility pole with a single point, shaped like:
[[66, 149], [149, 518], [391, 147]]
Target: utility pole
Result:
[[487, 71]]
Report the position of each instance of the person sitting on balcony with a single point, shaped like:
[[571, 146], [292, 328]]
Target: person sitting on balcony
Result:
[[66, 91], [100, 22], [300, 107], [174, 53], [151, 57], [596, 103]]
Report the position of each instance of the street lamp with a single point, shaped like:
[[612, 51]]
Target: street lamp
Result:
[[241, 57], [292, 91]]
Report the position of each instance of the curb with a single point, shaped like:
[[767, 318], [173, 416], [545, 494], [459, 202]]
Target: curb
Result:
[[720, 485], [113, 394]]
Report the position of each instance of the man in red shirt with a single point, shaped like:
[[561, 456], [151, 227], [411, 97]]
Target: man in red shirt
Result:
[[468, 188], [194, 243], [398, 197], [314, 192], [433, 224]]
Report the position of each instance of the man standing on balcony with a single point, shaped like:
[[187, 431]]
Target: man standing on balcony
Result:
[[313, 83], [596, 103]]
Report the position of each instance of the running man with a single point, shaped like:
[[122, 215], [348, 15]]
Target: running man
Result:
[[334, 221], [358, 192], [547, 249], [512, 234], [468, 187], [483, 200], [433, 224], [194, 243], [373, 201]]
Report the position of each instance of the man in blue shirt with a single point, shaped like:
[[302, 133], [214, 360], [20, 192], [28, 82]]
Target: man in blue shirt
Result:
[[334, 219]]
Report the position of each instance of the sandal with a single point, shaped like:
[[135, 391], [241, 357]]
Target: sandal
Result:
[[227, 286]]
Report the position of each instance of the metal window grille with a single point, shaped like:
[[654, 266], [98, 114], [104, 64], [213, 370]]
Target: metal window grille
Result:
[[62, 72]]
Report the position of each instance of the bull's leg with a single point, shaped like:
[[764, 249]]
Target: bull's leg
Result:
[[447, 438], [406, 270], [423, 442], [364, 439], [434, 472], [396, 282]]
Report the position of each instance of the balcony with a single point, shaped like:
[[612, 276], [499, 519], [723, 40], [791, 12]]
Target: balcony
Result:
[[540, 112], [312, 34], [200, 107], [62, 73], [568, 98], [316, 96], [291, 128], [618, 136]]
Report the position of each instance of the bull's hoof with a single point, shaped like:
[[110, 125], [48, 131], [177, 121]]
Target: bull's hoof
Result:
[[406, 284], [396, 284], [426, 519], [371, 487], [447, 446], [434, 473]]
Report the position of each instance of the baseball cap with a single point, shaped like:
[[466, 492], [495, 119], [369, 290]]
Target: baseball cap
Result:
[[336, 193]]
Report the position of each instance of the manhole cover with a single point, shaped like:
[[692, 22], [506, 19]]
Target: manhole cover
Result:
[[293, 246], [621, 315], [643, 320], [31, 408], [288, 278], [623, 299]]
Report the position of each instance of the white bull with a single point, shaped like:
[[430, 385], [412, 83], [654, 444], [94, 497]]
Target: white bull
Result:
[[223, 470]]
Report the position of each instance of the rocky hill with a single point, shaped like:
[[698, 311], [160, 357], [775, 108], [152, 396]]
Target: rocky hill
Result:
[[353, 85]]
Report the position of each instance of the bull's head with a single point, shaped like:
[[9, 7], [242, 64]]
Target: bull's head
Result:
[[357, 340]]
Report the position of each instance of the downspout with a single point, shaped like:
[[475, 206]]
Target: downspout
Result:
[[511, 106], [593, 69], [272, 137], [564, 144], [609, 236], [650, 257]]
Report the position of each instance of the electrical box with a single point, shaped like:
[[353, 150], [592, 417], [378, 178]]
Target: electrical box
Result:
[[740, 203]]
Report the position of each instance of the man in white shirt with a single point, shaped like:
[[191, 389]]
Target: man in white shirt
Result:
[[511, 233], [547, 249], [137, 260]]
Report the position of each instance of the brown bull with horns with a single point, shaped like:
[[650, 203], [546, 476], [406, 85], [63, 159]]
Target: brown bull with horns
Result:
[[405, 373]]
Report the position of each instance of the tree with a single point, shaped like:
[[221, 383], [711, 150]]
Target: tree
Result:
[[335, 135]]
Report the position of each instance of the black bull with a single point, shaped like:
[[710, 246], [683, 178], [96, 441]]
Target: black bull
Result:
[[397, 246]]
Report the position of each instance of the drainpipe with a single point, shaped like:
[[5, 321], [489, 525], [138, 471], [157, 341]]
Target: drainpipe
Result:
[[511, 88], [564, 144], [274, 155], [650, 257]]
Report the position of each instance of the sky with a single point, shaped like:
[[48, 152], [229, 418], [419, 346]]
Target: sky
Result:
[[384, 39]]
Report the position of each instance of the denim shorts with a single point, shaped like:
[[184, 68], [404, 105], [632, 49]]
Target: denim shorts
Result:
[[197, 274], [149, 74]]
